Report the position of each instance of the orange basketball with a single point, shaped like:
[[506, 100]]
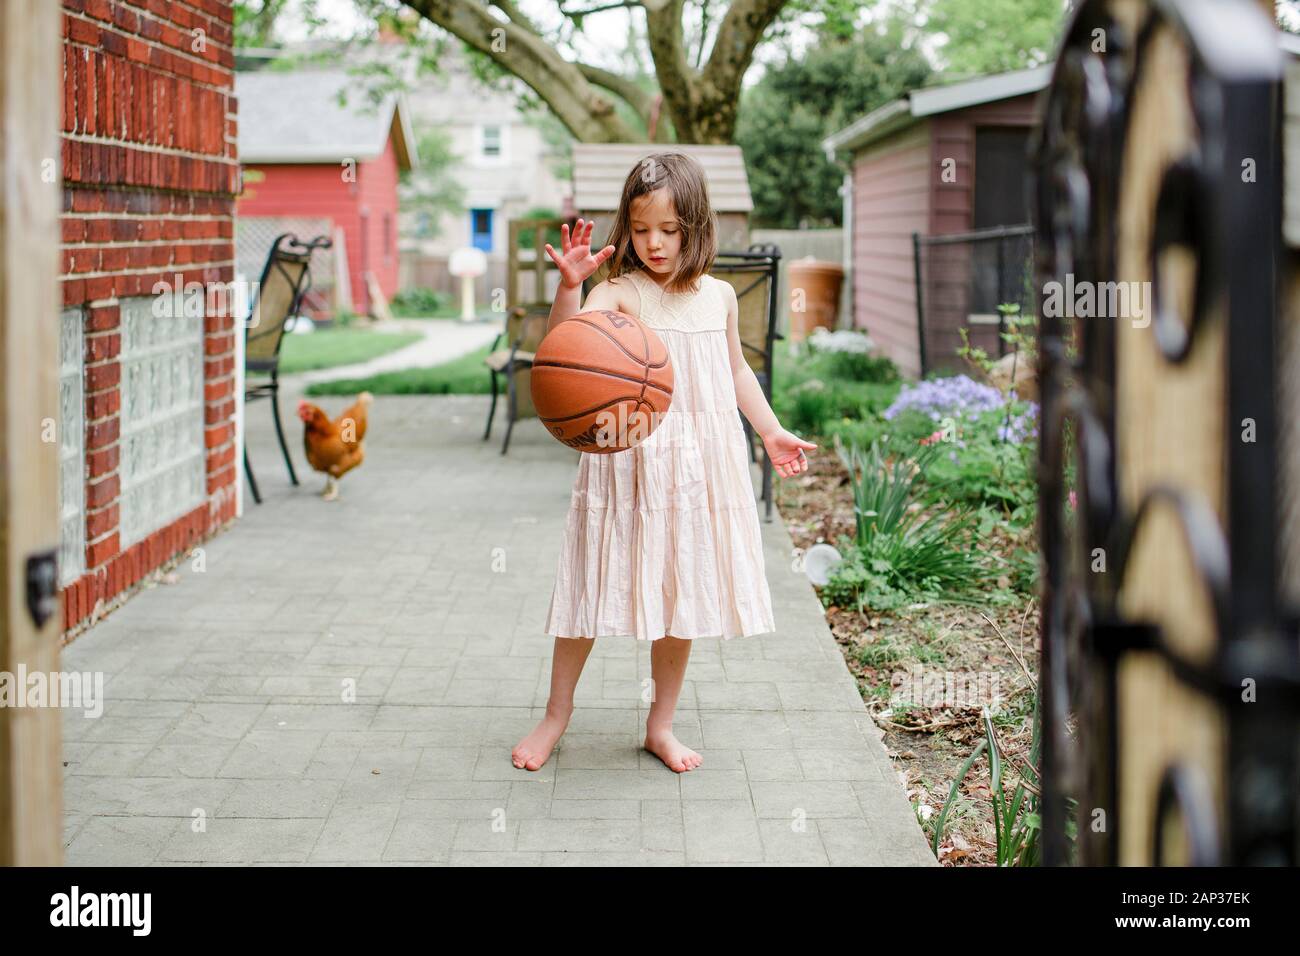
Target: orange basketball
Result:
[[601, 381]]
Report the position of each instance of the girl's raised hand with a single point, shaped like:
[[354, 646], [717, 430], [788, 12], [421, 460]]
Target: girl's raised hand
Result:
[[576, 263], [786, 451]]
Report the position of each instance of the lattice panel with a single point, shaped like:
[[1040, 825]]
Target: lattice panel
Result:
[[254, 236]]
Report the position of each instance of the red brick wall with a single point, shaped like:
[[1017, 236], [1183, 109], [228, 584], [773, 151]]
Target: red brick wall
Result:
[[149, 175]]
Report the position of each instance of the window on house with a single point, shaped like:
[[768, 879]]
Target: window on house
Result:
[[491, 141], [480, 229], [1001, 171], [998, 266], [388, 236]]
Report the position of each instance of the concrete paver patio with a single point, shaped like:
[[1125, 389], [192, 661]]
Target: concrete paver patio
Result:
[[341, 683]]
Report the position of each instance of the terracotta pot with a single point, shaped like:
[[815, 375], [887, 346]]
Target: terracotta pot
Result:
[[814, 296]]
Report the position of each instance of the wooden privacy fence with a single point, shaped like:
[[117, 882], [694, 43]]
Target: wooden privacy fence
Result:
[[1170, 465]]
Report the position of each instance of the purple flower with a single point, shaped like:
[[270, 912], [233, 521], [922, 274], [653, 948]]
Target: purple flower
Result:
[[957, 397], [1022, 426]]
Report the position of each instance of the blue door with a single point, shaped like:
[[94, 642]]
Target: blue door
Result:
[[480, 229]]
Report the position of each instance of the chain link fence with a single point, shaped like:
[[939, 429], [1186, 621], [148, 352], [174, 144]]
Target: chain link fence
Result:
[[961, 279]]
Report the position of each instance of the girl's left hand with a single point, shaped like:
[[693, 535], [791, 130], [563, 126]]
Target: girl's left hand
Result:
[[786, 451]]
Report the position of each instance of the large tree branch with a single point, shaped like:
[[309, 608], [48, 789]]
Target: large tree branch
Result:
[[599, 8], [635, 97], [516, 15], [588, 114], [677, 78], [738, 34]]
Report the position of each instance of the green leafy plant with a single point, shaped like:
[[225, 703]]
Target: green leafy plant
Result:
[[1017, 819], [899, 552], [813, 405], [528, 238], [983, 466], [1018, 333]]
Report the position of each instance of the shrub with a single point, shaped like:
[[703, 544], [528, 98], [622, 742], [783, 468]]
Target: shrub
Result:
[[851, 355], [815, 406], [419, 301], [862, 368]]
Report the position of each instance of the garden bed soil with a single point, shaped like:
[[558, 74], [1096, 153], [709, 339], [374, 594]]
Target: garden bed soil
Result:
[[927, 745]]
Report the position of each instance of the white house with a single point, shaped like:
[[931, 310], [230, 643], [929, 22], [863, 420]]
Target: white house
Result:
[[505, 165]]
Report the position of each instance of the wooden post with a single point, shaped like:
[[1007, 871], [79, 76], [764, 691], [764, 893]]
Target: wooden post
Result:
[[31, 60], [539, 264], [512, 265]]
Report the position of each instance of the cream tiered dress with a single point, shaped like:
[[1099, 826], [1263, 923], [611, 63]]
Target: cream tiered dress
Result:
[[663, 539]]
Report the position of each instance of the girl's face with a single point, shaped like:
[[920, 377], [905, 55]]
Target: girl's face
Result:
[[656, 234]]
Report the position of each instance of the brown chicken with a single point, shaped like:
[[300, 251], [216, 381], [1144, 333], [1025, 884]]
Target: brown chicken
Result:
[[334, 447]]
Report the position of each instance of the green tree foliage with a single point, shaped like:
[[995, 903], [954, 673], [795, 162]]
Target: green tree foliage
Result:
[[430, 190], [994, 36], [785, 116]]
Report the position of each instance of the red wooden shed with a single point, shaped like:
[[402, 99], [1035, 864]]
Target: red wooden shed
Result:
[[319, 156], [941, 160]]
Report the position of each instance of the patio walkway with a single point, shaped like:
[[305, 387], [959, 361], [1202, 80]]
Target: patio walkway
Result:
[[226, 737]]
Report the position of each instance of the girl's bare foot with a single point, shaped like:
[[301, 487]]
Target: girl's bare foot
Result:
[[535, 749], [675, 754]]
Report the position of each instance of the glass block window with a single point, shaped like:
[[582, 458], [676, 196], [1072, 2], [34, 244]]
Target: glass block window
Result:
[[162, 465], [72, 458]]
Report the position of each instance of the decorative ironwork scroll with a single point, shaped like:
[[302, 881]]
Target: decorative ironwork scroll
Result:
[[1170, 655]]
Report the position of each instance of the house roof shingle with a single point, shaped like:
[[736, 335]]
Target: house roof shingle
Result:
[[295, 117]]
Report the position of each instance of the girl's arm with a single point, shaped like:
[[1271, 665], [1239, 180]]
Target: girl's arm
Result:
[[784, 448], [576, 264]]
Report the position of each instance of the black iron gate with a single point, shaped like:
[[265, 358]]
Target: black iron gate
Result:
[[961, 280], [1154, 113]]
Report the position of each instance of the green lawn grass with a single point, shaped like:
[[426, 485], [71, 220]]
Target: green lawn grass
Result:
[[466, 375], [334, 347]]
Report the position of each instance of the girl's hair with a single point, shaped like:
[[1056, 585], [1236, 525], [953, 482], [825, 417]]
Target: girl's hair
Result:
[[684, 179]]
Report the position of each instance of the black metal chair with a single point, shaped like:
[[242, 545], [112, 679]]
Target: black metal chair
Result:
[[285, 280], [755, 275], [524, 331]]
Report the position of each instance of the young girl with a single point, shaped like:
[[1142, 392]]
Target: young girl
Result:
[[662, 540]]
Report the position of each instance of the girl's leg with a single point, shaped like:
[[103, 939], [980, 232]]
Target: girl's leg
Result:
[[566, 667], [668, 657]]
